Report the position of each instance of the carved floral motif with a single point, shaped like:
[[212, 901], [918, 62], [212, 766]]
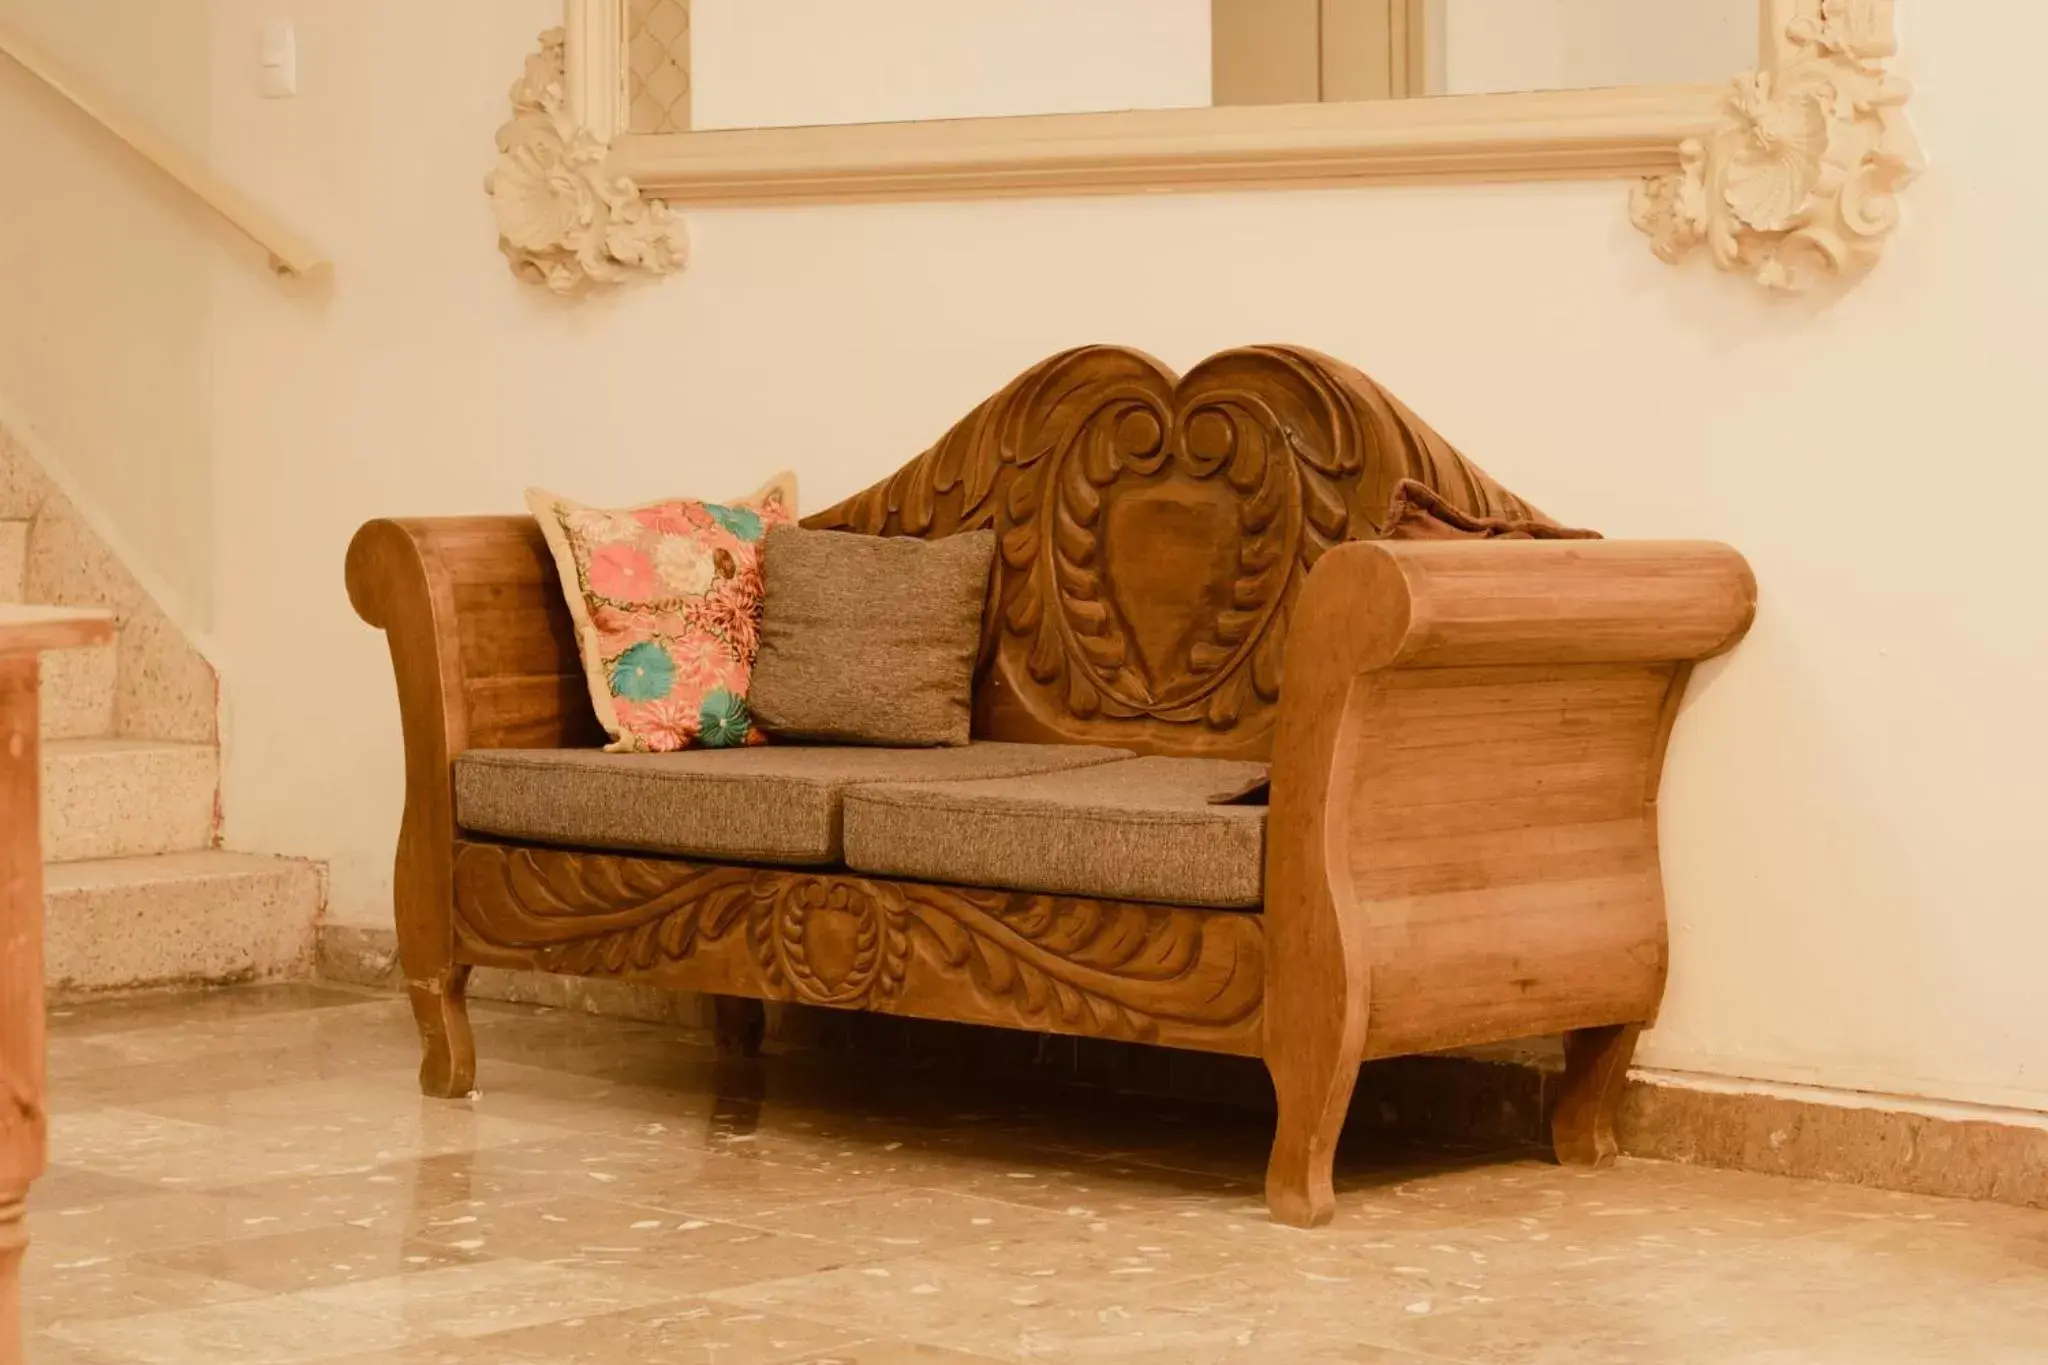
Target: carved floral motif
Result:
[[875, 943], [562, 222], [1799, 183], [1104, 968]]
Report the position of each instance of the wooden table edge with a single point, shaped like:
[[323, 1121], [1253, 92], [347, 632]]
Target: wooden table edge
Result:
[[30, 630]]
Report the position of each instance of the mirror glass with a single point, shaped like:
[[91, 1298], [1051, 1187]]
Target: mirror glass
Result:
[[708, 64]]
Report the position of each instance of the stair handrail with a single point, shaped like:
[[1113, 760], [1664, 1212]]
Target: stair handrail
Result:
[[290, 254]]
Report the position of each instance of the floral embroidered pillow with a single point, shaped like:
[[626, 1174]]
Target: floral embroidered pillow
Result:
[[667, 604]]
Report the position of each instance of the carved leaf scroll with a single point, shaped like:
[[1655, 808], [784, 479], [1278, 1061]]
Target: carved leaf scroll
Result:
[[1799, 183], [562, 222], [1104, 968], [1166, 636]]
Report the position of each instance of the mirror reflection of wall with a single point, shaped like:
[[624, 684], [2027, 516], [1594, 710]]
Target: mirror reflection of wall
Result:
[[1478, 46], [781, 63], [1316, 51], [1337, 51]]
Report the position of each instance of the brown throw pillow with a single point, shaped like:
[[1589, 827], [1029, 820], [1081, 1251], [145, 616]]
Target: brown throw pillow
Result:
[[867, 640]]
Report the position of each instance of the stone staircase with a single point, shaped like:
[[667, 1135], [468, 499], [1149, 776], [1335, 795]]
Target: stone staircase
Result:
[[136, 890]]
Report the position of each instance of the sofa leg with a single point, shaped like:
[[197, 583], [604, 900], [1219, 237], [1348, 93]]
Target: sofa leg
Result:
[[1300, 1190], [440, 1007], [1313, 1082], [738, 1025], [1595, 1074]]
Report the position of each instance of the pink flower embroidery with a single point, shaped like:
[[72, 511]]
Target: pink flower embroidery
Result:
[[731, 611], [673, 518], [700, 663], [595, 527], [659, 726], [620, 629], [622, 573]]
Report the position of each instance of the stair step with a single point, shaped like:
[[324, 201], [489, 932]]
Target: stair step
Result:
[[178, 919], [127, 798], [13, 559], [78, 693]]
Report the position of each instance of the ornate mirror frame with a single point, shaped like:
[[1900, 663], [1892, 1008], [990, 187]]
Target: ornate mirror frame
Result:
[[1789, 176]]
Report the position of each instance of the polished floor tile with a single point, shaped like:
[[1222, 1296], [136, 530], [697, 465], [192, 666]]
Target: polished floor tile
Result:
[[251, 1176], [687, 1332]]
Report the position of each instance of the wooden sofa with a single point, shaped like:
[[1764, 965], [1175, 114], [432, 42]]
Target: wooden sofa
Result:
[[1464, 707]]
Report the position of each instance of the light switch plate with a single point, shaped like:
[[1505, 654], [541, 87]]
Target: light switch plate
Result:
[[277, 71]]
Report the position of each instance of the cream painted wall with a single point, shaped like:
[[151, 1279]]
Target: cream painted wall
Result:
[[105, 305], [778, 63], [1853, 799]]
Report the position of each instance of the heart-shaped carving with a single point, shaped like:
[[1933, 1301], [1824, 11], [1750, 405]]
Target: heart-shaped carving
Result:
[[1168, 559], [1154, 532]]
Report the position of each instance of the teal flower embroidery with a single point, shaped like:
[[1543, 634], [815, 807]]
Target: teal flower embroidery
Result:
[[723, 723], [643, 673], [743, 522]]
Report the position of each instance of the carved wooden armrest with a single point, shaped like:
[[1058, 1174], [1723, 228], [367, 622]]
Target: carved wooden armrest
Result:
[[1374, 605], [1465, 779], [481, 640]]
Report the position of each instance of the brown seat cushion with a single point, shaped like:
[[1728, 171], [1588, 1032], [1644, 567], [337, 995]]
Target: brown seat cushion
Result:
[[1143, 830], [777, 804]]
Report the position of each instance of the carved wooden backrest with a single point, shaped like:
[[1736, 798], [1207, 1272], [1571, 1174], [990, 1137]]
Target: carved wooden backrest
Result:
[[1154, 533]]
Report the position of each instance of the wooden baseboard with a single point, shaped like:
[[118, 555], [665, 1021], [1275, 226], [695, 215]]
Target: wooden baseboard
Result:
[[1479, 1095]]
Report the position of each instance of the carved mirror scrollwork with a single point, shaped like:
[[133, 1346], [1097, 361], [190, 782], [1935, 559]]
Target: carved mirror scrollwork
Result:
[[1798, 181], [1789, 175], [565, 220]]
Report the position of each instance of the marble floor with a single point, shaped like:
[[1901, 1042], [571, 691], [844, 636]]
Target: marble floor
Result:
[[251, 1176]]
